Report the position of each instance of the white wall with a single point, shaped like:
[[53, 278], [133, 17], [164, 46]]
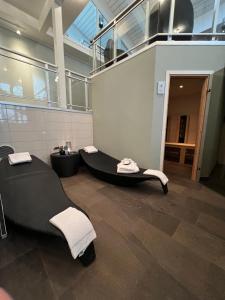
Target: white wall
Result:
[[39, 130]]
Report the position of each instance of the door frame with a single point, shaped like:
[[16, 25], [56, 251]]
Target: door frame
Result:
[[176, 73]]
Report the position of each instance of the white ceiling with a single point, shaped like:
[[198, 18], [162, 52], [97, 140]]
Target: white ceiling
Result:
[[32, 8]]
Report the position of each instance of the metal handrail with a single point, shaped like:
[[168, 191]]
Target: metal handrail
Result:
[[118, 18], [76, 73], [148, 40], [28, 57]]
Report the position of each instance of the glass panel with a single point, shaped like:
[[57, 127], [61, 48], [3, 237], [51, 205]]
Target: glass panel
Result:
[[131, 29], [221, 18], [85, 27], [193, 16], [105, 46], [159, 14], [77, 94], [24, 83]]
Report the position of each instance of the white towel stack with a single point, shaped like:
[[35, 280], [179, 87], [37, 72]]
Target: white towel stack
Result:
[[90, 149], [158, 174], [77, 229], [19, 158], [127, 166]]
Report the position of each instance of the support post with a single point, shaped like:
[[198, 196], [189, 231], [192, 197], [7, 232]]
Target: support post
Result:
[[86, 95], [147, 20], [59, 54], [70, 90], [215, 17], [47, 86], [172, 10], [114, 42]]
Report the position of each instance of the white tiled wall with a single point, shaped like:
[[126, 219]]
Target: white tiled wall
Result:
[[38, 131]]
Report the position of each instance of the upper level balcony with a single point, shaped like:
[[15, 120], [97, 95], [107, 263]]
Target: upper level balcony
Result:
[[147, 21]]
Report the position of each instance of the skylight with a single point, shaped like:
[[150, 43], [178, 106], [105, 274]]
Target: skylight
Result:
[[86, 25]]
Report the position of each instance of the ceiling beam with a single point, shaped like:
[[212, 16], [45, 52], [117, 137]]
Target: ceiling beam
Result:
[[45, 15], [10, 13]]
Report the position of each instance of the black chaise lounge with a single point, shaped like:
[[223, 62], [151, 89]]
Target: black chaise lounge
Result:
[[104, 167], [32, 194]]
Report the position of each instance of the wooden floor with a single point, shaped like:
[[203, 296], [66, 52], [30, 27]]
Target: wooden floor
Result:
[[149, 246], [174, 168]]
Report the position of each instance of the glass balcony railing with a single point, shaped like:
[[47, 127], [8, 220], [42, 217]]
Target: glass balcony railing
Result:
[[148, 21], [77, 88], [30, 81]]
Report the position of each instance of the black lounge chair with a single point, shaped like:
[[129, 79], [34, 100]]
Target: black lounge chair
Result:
[[104, 167], [32, 194]]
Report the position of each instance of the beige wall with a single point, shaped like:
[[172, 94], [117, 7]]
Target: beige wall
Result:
[[214, 124], [128, 112], [122, 109], [221, 156]]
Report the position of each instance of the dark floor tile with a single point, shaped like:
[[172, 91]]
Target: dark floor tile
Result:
[[201, 242], [212, 225], [189, 269], [127, 209], [25, 278], [18, 242], [137, 257], [61, 268]]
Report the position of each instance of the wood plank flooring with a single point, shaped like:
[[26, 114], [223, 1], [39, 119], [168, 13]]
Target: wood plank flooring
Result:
[[149, 246]]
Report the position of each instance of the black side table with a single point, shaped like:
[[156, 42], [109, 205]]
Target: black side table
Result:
[[65, 165]]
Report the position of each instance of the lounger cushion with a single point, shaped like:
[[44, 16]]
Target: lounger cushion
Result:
[[105, 167], [32, 194]]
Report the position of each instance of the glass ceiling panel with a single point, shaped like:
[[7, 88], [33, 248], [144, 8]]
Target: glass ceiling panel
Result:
[[85, 26]]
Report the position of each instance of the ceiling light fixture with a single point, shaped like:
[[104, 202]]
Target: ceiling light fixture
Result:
[[5, 69], [181, 86], [18, 32]]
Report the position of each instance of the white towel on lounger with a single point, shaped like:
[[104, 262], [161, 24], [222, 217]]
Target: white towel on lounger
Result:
[[77, 229], [90, 149], [158, 174], [127, 166], [19, 158]]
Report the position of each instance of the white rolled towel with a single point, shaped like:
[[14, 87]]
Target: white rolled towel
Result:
[[90, 149], [164, 179], [19, 158], [127, 166], [77, 229]]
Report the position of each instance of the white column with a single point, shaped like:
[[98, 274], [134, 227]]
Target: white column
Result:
[[59, 54]]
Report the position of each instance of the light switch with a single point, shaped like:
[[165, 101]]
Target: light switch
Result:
[[161, 87]]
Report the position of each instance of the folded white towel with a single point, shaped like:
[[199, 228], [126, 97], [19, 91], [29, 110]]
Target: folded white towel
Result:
[[158, 174], [77, 229], [90, 149], [127, 166], [19, 158]]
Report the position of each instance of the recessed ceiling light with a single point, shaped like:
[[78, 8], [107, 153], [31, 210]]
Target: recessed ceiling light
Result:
[[18, 32], [181, 86], [5, 69]]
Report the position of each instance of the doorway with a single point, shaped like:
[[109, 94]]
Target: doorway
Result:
[[187, 102]]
